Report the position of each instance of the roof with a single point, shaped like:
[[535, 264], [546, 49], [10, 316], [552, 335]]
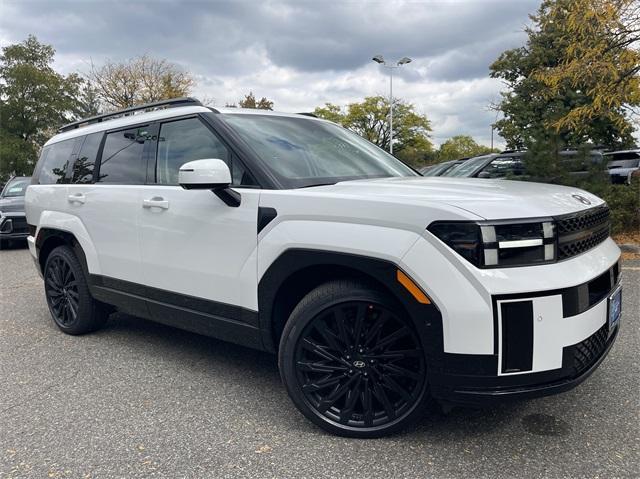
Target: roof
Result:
[[151, 116]]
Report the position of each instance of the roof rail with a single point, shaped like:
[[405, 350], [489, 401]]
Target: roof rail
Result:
[[172, 103], [308, 113]]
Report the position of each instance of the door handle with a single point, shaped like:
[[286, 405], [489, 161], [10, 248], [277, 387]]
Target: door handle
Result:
[[77, 198], [156, 202]]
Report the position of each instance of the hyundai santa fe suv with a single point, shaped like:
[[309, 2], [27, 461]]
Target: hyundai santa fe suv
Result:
[[376, 287]]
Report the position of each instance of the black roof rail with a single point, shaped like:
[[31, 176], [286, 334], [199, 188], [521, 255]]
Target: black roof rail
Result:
[[308, 113], [172, 103]]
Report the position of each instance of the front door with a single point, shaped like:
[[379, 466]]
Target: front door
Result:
[[198, 254]]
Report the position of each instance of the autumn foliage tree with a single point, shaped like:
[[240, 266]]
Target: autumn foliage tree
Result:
[[139, 80], [576, 79], [601, 59]]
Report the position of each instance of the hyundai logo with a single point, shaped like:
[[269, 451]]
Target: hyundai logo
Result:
[[358, 364], [582, 199]]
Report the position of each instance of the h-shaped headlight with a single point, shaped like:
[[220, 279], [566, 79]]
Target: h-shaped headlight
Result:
[[495, 244]]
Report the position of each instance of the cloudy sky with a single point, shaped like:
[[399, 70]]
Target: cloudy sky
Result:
[[300, 54]]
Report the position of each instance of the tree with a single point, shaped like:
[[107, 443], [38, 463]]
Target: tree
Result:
[[461, 146], [370, 119], [139, 80], [34, 101], [602, 59], [555, 95], [249, 101]]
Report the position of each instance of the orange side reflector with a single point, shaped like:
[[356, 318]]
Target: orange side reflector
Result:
[[410, 286]]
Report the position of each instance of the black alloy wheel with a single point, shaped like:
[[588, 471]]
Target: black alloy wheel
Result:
[[61, 288], [71, 305], [358, 365]]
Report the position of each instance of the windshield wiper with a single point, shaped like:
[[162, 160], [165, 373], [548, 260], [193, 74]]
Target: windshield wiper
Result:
[[318, 184]]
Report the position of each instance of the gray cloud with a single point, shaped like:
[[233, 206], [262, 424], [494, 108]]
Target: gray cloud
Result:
[[300, 53]]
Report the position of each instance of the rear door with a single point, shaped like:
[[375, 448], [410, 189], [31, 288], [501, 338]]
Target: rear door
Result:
[[193, 244], [104, 193]]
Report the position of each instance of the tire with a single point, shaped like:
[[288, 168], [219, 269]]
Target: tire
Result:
[[365, 390], [71, 305]]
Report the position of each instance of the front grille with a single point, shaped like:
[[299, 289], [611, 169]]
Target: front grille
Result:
[[586, 353], [580, 232], [592, 218]]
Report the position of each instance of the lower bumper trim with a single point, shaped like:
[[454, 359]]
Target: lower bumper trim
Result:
[[451, 390]]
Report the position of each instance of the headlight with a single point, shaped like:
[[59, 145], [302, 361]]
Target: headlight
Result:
[[499, 244]]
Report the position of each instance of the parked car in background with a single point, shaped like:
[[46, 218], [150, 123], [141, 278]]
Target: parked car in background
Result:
[[622, 164], [13, 224], [439, 169], [510, 164]]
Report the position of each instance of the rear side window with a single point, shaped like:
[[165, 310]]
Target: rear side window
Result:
[[84, 164], [122, 160], [55, 163], [182, 141]]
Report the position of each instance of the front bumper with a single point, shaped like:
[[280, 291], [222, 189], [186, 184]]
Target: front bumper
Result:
[[515, 332], [13, 226], [579, 362]]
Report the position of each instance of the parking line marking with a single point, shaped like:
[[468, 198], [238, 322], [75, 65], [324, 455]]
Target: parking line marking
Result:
[[632, 268]]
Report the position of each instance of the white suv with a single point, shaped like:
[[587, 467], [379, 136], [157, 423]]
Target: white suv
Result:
[[377, 288]]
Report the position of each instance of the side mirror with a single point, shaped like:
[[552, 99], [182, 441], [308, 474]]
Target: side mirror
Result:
[[204, 175], [484, 174], [210, 174]]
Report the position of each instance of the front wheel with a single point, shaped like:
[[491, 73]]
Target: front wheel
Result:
[[352, 362]]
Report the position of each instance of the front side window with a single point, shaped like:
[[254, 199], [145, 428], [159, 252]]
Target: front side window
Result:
[[56, 163], [182, 141], [83, 166], [307, 152], [122, 160], [15, 187]]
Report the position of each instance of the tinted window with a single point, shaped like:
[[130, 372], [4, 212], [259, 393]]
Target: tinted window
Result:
[[469, 167], [182, 141], [83, 166], [122, 160], [16, 187], [503, 166], [55, 162]]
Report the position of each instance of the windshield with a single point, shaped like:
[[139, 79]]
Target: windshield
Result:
[[16, 187], [306, 152], [469, 167]]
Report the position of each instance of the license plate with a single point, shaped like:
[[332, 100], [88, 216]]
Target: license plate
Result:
[[615, 308]]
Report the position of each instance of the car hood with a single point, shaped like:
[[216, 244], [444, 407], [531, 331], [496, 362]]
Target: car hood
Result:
[[12, 204], [489, 199]]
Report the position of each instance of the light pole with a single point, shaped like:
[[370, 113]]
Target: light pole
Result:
[[403, 61]]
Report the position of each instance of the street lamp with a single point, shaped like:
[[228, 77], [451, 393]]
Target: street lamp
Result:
[[403, 61]]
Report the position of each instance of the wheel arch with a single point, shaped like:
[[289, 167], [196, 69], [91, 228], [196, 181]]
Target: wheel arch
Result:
[[297, 271], [47, 239]]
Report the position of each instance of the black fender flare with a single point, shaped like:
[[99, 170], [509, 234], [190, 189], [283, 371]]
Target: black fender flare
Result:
[[294, 262]]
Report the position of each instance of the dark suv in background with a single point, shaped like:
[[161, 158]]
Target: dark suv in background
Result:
[[13, 224]]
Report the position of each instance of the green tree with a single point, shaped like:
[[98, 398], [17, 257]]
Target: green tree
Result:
[[370, 119], [34, 101], [552, 95], [249, 101], [461, 146]]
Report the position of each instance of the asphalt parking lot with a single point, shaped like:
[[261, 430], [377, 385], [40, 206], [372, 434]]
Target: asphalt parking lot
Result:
[[139, 399]]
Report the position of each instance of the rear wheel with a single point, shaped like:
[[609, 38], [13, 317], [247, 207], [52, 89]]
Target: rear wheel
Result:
[[71, 306], [352, 361]]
